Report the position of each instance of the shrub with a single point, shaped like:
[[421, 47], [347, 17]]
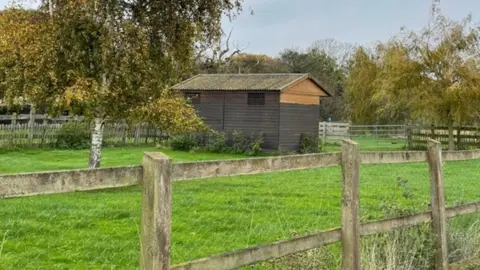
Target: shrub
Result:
[[184, 141], [254, 144], [73, 135], [308, 143], [243, 144], [239, 142], [216, 142]]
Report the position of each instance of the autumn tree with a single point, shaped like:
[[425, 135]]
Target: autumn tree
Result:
[[23, 66], [439, 68], [363, 71], [430, 77], [109, 59], [255, 63]]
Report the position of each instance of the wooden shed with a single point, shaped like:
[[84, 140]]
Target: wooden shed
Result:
[[282, 106]]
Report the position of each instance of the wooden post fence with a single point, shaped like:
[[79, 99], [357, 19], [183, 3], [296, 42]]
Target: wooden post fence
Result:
[[137, 135], [324, 135], [439, 219], [350, 201], [156, 212], [31, 125]]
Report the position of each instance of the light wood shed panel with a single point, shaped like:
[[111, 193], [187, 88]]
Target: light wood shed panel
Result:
[[305, 92]]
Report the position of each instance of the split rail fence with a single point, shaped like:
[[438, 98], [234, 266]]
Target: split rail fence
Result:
[[157, 173]]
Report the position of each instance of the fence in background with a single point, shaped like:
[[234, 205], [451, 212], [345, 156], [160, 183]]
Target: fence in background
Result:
[[413, 137], [465, 137], [38, 118], [157, 174], [370, 136], [45, 135]]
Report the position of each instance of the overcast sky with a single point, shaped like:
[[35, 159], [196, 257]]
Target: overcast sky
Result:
[[280, 24]]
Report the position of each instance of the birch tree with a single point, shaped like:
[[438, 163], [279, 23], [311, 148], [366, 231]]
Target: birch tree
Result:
[[109, 57]]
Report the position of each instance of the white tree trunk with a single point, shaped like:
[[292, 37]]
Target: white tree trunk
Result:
[[96, 148]]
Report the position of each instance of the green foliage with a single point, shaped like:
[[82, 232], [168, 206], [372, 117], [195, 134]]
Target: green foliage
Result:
[[216, 142], [430, 76], [250, 144], [239, 142], [184, 141], [309, 143], [73, 135], [106, 59]]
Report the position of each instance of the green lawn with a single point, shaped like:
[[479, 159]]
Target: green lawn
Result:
[[368, 143], [32, 160], [100, 230]]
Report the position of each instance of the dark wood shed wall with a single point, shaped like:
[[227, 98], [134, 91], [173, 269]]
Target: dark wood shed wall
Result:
[[296, 119], [210, 109], [253, 118], [229, 110]]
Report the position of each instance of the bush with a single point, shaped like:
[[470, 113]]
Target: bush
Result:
[[309, 143], [184, 142], [216, 142], [73, 135], [254, 144], [238, 142], [243, 144]]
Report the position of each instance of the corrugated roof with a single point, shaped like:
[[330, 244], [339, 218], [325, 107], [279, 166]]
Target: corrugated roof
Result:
[[231, 82]]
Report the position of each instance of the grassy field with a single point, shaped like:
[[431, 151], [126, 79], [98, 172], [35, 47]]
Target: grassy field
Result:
[[368, 143], [100, 230], [32, 160]]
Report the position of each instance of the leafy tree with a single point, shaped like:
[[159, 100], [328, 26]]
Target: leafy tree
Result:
[[255, 63], [326, 69], [363, 71], [431, 77], [23, 66], [441, 72], [106, 58]]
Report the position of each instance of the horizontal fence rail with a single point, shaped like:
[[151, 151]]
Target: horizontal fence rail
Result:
[[17, 117], [58, 181], [27, 184]]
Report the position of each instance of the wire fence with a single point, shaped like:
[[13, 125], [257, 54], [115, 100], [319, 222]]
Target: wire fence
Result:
[[374, 137]]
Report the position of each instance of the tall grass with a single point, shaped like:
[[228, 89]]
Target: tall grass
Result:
[[410, 248], [402, 249]]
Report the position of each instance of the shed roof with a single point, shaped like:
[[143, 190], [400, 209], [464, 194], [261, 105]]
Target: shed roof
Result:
[[244, 82]]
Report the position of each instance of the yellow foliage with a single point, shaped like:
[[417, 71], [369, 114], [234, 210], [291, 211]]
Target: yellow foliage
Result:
[[170, 113]]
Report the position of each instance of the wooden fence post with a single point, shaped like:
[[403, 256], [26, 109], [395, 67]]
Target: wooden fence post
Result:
[[350, 204], [156, 212], [137, 134], [439, 220], [14, 119], [324, 136], [31, 125]]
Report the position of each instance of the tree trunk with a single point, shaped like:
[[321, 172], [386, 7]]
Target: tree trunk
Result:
[[451, 138], [96, 148]]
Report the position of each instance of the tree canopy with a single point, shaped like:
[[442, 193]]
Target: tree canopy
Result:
[[104, 59], [431, 76]]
